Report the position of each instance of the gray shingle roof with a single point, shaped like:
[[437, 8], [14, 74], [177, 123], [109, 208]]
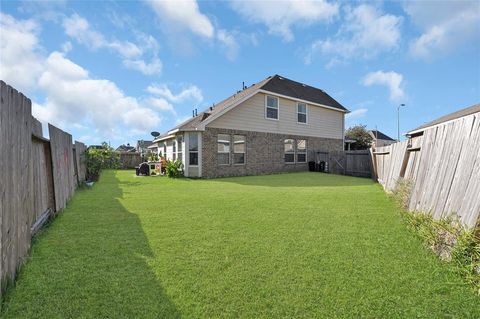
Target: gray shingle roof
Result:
[[379, 135], [276, 84], [452, 116]]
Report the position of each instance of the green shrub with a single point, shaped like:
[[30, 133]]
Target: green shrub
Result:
[[446, 237], [97, 159], [153, 157], [174, 169]]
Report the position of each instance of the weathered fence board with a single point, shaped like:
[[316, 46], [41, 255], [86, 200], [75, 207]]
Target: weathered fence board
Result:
[[64, 180], [16, 196], [444, 167], [81, 169], [27, 185]]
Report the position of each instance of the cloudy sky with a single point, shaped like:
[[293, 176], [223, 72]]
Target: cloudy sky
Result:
[[115, 71]]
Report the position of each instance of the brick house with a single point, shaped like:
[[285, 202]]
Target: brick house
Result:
[[275, 125]]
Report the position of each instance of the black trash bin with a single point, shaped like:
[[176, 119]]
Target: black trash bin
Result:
[[322, 166], [311, 166]]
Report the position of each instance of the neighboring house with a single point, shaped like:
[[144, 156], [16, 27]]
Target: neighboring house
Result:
[[126, 148], [380, 139], [275, 125], [143, 147]]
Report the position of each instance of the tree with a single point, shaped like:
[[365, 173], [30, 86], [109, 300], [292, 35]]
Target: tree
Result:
[[360, 135], [97, 159]]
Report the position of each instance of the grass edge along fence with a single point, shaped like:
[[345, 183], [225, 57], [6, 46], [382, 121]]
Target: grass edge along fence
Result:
[[39, 176]]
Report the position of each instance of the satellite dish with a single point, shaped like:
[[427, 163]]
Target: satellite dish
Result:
[[155, 134]]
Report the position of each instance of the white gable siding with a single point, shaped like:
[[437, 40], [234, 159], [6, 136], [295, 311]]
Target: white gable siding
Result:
[[250, 116]]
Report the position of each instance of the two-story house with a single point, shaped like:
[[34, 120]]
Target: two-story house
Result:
[[275, 125]]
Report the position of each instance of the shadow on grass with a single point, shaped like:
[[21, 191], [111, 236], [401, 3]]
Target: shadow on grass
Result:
[[91, 262], [302, 179]]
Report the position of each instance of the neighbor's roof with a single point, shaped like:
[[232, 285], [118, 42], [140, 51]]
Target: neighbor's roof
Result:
[[275, 84], [449, 117], [380, 136]]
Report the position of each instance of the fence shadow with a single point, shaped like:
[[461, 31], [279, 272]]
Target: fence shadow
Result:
[[304, 179], [91, 262]]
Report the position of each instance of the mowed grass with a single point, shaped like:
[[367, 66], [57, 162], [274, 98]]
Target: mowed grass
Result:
[[301, 245]]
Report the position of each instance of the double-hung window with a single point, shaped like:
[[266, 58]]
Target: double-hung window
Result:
[[289, 145], [193, 149], [271, 107], [301, 151], [239, 149], [302, 113], [174, 148], [179, 147], [223, 149], [165, 149]]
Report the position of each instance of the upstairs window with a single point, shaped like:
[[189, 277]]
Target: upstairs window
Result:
[[301, 151], [223, 149], [239, 149], [289, 145], [302, 113], [193, 149], [271, 107]]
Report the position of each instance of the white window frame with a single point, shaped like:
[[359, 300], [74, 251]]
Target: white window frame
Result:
[[229, 149], [278, 108], [292, 152], [301, 152], [244, 152], [306, 113], [179, 147], [190, 151]]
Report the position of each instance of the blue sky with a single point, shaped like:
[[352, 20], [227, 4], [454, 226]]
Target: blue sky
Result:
[[115, 71]]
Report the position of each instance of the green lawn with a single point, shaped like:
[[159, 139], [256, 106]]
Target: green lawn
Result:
[[302, 245]]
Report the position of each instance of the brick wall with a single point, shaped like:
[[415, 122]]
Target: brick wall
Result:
[[264, 153]]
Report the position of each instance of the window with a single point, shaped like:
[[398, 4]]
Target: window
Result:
[[174, 147], [223, 149], [179, 147], [165, 149], [271, 107], [301, 151], [289, 151], [239, 149], [193, 149], [302, 113]]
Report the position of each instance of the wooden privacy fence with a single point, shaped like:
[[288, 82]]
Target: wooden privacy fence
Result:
[[443, 166], [353, 163], [38, 177], [129, 160]]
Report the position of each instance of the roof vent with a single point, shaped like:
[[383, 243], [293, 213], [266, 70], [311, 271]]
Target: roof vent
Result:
[[280, 78], [304, 85]]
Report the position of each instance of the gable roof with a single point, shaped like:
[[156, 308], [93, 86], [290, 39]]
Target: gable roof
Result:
[[281, 85], [275, 84], [379, 135], [449, 117]]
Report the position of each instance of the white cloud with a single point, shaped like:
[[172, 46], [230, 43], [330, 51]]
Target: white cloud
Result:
[[365, 33], [73, 96], [190, 92], [445, 25], [20, 52], [78, 28], [161, 104], [280, 17], [183, 14], [132, 54], [229, 42], [355, 114], [154, 67], [67, 46], [392, 80]]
